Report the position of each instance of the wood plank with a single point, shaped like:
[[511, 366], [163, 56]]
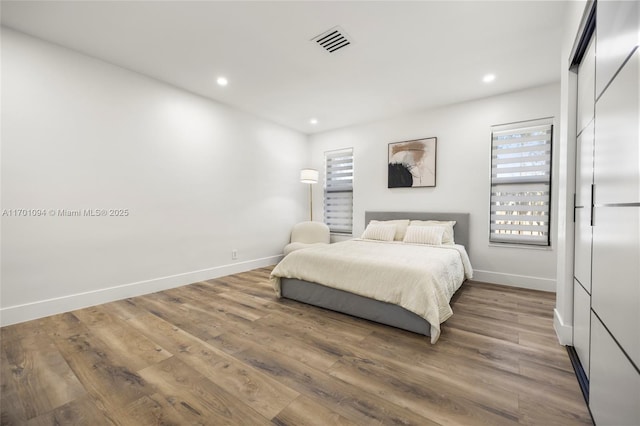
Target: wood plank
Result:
[[541, 342], [250, 287], [262, 393], [477, 325], [198, 322], [508, 330], [101, 371], [502, 315], [536, 411], [308, 351], [125, 309], [133, 349], [354, 403], [427, 397], [463, 363], [41, 376], [11, 333], [552, 376], [197, 399], [156, 409], [82, 411], [537, 321], [230, 343], [311, 351], [63, 326], [485, 344], [279, 338], [222, 303], [330, 330], [11, 408], [305, 411]]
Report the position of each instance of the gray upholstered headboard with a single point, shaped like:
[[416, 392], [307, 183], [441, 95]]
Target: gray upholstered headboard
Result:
[[461, 228]]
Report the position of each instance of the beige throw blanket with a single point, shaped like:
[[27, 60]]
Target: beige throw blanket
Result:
[[420, 278]]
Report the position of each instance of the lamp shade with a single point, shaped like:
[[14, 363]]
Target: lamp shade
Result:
[[309, 176]]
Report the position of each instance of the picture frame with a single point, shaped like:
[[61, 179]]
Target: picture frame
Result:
[[412, 164]]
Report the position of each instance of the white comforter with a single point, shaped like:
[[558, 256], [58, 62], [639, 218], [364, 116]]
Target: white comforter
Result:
[[420, 278]]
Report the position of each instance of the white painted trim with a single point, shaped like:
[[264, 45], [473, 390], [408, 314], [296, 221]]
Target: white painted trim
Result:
[[42, 308], [563, 331], [522, 281]]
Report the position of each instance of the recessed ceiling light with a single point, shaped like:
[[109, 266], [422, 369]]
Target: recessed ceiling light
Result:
[[489, 78], [222, 81], [313, 121]]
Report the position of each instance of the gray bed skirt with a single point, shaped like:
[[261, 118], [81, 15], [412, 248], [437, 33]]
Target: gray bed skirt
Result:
[[353, 304]]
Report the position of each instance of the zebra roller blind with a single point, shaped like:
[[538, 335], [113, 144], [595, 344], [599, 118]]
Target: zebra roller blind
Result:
[[521, 183], [338, 191]]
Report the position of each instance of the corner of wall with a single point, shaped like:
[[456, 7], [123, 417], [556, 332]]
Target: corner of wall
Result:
[[563, 331], [566, 184]]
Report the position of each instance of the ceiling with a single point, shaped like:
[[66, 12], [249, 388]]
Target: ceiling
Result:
[[404, 56]]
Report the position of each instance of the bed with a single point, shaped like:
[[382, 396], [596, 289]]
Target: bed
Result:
[[403, 285]]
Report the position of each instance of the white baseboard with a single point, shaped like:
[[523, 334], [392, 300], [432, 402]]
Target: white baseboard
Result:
[[523, 281], [43, 308], [563, 331]]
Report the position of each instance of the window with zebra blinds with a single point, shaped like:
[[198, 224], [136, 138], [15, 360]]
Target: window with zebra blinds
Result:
[[521, 183]]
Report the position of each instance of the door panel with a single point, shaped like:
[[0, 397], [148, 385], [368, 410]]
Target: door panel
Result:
[[582, 249], [617, 35], [581, 324], [584, 166], [617, 147], [614, 391], [586, 87], [615, 287]]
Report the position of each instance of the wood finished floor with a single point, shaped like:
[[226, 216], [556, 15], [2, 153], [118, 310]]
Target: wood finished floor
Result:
[[226, 351]]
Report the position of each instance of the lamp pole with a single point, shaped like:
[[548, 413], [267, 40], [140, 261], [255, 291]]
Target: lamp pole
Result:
[[309, 176], [311, 202]]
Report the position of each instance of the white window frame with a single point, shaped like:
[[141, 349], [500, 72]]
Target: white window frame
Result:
[[338, 191], [521, 169]]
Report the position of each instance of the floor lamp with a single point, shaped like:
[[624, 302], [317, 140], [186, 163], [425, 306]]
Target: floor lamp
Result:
[[309, 176]]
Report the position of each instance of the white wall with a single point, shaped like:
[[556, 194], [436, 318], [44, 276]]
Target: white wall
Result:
[[563, 314], [198, 178], [463, 175]]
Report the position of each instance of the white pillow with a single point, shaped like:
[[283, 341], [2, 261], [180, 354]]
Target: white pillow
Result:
[[447, 238], [379, 232], [401, 226], [424, 235]]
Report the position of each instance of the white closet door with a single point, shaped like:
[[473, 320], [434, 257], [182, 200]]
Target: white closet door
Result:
[[584, 181], [614, 385], [617, 35]]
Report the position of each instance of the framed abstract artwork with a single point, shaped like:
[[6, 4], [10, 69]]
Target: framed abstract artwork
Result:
[[412, 164]]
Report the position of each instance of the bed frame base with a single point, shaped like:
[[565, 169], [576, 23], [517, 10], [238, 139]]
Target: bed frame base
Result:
[[353, 304]]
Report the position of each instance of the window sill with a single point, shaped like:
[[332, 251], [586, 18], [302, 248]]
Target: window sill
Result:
[[522, 246]]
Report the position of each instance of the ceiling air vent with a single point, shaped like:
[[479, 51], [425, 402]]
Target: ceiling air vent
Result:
[[334, 39]]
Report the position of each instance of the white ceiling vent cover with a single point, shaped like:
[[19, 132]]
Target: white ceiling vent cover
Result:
[[332, 40]]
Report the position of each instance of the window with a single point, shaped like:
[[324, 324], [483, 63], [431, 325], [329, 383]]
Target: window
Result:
[[338, 191], [521, 183]]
